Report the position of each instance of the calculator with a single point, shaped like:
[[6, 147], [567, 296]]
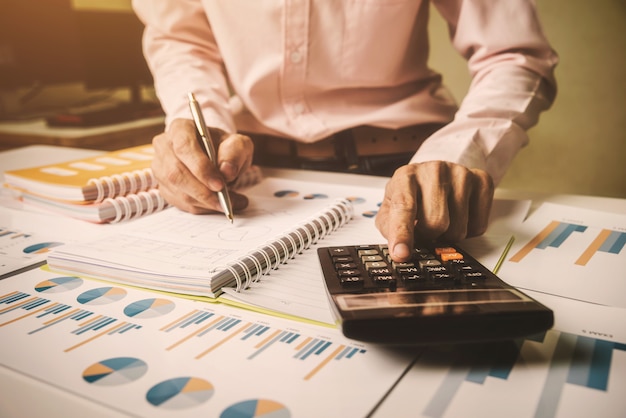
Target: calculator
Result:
[[441, 295]]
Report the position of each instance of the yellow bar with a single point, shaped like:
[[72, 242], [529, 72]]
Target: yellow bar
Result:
[[208, 350], [29, 314], [193, 334], [324, 363], [95, 336], [526, 249], [176, 321], [595, 246]]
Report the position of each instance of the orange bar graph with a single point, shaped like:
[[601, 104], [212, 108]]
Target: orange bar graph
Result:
[[222, 341], [526, 249], [25, 302], [88, 340], [29, 314], [325, 362], [171, 324], [593, 247], [62, 317], [198, 331]]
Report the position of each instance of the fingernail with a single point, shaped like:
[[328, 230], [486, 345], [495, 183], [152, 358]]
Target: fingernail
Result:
[[228, 169], [401, 251]]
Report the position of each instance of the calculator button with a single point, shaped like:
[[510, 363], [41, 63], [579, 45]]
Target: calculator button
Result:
[[384, 280], [375, 265], [474, 275], [379, 271], [342, 259], [348, 265], [367, 258], [413, 279], [445, 250], [348, 273], [335, 251], [450, 256], [429, 263], [400, 265], [441, 276], [351, 280], [408, 270]]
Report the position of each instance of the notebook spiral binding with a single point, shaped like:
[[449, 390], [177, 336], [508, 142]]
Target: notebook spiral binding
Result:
[[109, 187], [136, 205], [252, 267]]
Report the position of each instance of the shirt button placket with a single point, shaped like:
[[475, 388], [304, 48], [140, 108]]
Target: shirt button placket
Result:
[[295, 63]]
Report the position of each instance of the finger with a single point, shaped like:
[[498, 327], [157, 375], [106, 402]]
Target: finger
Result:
[[235, 155], [458, 203], [433, 180], [396, 220], [182, 169], [480, 203], [194, 158]]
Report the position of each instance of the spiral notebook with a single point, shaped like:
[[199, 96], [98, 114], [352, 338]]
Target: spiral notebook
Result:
[[88, 180], [113, 187], [200, 255]]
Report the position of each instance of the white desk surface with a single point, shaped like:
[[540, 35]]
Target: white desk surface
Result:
[[24, 396]]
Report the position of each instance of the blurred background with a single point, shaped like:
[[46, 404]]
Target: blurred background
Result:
[[579, 145], [84, 54]]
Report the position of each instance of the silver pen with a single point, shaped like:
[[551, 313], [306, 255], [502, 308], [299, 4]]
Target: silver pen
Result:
[[205, 138]]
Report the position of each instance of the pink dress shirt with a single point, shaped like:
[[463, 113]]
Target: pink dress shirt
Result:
[[306, 69]]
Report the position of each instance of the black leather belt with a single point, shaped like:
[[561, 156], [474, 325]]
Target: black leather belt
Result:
[[347, 150], [362, 140]]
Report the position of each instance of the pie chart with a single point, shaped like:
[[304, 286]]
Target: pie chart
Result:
[[149, 308], [180, 393], [315, 196], [101, 296], [58, 284], [356, 200], [115, 371], [256, 408], [286, 193], [370, 213], [40, 248]]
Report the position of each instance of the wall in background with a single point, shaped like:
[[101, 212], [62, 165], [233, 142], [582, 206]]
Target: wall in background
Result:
[[579, 145]]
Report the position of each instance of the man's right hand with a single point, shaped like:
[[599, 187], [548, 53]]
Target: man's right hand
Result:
[[187, 178]]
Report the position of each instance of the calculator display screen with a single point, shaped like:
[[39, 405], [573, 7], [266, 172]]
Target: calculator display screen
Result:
[[425, 299]]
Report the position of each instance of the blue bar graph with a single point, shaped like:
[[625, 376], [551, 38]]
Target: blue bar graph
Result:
[[560, 234], [576, 360], [54, 313], [614, 243]]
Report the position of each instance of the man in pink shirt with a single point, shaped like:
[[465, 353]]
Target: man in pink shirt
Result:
[[344, 86]]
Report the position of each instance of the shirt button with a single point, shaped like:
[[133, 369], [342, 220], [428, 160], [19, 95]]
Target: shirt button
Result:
[[295, 57]]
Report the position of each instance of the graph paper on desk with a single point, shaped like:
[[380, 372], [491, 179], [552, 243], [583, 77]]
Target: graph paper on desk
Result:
[[149, 354], [571, 252], [552, 375]]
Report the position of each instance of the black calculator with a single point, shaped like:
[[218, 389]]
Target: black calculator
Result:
[[442, 295]]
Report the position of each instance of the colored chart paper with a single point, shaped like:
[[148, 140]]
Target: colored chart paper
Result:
[[169, 357], [570, 252]]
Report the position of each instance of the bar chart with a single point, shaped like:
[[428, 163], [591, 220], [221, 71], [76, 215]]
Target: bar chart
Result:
[[551, 375], [151, 354], [570, 252], [555, 234]]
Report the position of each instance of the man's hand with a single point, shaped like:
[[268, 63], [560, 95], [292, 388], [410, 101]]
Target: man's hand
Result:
[[435, 199], [187, 178]]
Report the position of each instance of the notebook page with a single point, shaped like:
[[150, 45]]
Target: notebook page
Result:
[[177, 251], [297, 288]]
